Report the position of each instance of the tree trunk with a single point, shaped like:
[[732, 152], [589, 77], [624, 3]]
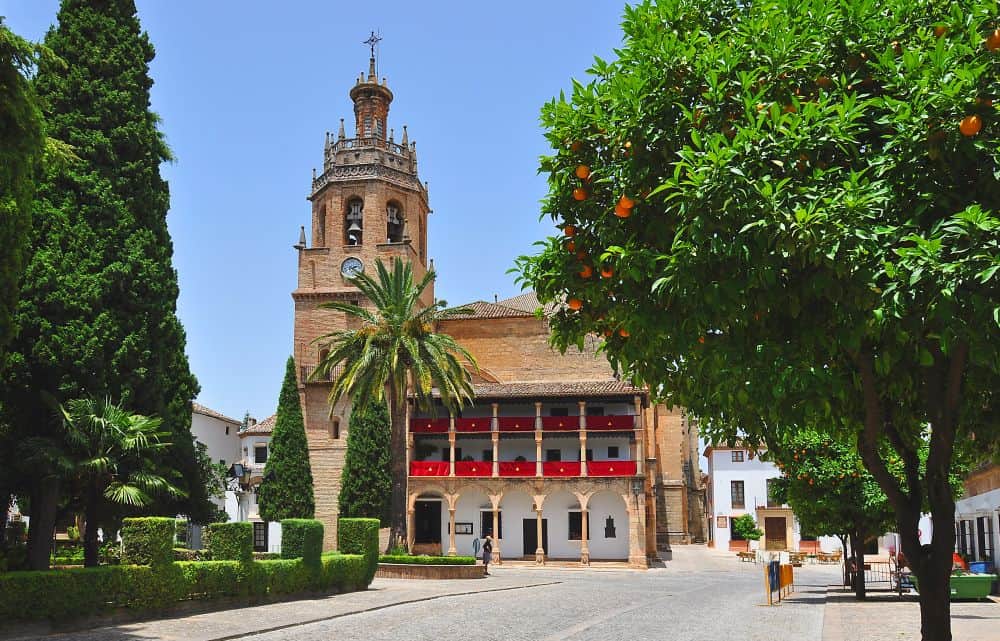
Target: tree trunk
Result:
[[397, 458], [5, 502], [90, 547], [858, 556], [846, 563], [44, 506]]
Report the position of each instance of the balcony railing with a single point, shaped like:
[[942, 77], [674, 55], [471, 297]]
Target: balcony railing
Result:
[[623, 422], [473, 424], [550, 469]]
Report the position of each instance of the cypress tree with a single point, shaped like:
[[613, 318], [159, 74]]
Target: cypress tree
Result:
[[366, 484], [97, 314], [287, 489]]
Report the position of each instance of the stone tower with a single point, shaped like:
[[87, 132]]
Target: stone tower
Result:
[[367, 205]]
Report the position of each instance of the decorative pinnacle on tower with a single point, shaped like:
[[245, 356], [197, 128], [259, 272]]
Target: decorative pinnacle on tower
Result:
[[371, 99]]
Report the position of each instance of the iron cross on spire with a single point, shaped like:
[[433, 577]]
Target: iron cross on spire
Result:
[[372, 41]]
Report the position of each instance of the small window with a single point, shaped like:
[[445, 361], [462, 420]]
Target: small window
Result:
[[222, 462], [335, 428], [590, 455], [736, 490], [227, 430], [553, 456], [576, 526], [613, 451], [559, 411], [260, 454], [368, 126], [458, 453], [488, 455], [354, 222], [595, 410], [737, 456], [609, 528], [394, 223], [259, 537]]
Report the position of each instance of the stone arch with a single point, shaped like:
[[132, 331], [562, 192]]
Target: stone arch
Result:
[[604, 505], [395, 221], [354, 215]]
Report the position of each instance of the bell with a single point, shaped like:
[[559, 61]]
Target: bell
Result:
[[354, 228]]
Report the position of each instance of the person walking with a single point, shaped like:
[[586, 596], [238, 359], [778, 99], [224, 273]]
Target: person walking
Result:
[[487, 554]]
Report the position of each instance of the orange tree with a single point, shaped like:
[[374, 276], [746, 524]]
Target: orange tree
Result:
[[789, 208]]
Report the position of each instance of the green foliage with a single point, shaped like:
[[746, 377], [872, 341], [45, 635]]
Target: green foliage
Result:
[[97, 312], [360, 536], [366, 482], [814, 243], [67, 594], [148, 540], [396, 350], [22, 146], [744, 527], [185, 554], [287, 489], [302, 538], [427, 560], [231, 541]]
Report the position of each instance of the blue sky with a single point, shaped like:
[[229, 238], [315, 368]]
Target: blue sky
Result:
[[246, 90]]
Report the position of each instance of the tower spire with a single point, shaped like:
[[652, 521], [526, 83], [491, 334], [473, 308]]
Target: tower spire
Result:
[[372, 42]]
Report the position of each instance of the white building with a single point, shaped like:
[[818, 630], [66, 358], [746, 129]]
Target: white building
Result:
[[243, 450], [977, 516], [738, 484]]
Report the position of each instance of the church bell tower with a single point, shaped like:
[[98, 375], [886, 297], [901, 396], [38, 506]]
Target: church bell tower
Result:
[[368, 204]]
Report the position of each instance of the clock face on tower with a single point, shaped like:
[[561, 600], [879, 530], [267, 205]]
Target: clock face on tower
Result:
[[351, 267]]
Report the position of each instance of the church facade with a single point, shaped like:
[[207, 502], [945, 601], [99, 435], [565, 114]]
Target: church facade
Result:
[[556, 459]]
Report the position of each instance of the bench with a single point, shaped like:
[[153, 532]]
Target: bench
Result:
[[747, 557]]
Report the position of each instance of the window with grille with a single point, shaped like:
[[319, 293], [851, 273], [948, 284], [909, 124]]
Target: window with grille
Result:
[[260, 537], [737, 456], [736, 491], [260, 454]]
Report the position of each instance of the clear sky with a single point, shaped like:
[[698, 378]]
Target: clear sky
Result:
[[246, 90]]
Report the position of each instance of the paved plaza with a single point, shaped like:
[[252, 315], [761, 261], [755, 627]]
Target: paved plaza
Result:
[[701, 595]]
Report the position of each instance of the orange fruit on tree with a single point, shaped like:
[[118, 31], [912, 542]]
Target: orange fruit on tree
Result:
[[608, 333], [984, 102], [607, 271], [622, 212], [970, 125], [940, 30], [574, 304], [623, 332], [587, 271], [993, 40], [580, 193], [576, 146], [569, 230], [628, 144], [582, 172], [582, 254], [571, 245], [626, 202], [701, 340]]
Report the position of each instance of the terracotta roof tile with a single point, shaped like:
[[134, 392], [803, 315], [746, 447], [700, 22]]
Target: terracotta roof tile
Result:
[[263, 427], [555, 389], [482, 309], [207, 411], [526, 302]]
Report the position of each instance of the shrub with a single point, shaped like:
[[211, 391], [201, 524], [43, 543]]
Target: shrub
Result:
[[15, 532], [360, 536], [184, 554], [213, 579], [302, 538], [266, 556], [288, 576], [427, 560], [231, 541], [746, 528], [148, 541], [345, 572]]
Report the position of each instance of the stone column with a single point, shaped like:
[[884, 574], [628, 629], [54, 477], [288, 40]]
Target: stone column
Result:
[[451, 445], [583, 438], [495, 429], [539, 550], [584, 542], [497, 558], [636, 530], [640, 433], [538, 439], [452, 550], [411, 512], [409, 451]]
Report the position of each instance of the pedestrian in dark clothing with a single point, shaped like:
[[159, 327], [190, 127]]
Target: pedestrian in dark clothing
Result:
[[487, 555]]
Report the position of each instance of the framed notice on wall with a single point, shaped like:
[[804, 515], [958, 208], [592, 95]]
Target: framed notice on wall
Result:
[[721, 522], [463, 528]]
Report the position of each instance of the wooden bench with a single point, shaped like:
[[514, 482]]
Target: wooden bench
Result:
[[747, 557]]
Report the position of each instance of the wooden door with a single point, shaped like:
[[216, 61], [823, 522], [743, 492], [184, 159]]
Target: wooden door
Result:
[[775, 533]]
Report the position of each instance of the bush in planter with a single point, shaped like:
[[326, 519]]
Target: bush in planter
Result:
[[302, 538], [745, 527], [148, 541], [360, 536], [427, 560], [231, 541]]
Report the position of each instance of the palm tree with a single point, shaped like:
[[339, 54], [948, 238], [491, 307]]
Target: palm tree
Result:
[[112, 453], [396, 350]]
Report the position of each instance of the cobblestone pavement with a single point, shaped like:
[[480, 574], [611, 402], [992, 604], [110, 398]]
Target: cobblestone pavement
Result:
[[700, 595]]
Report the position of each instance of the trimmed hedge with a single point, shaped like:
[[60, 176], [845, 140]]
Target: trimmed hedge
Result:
[[231, 541], [64, 594], [185, 554], [302, 538], [360, 536], [148, 540], [427, 560]]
